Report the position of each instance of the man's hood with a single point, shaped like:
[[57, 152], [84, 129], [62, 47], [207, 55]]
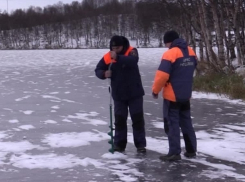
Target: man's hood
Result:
[[125, 45], [180, 43]]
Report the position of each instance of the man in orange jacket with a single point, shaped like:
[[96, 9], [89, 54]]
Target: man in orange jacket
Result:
[[175, 77], [127, 91]]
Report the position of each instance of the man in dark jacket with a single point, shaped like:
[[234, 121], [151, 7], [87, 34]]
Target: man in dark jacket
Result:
[[175, 77], [120, 64]]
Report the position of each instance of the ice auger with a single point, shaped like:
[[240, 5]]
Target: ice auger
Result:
[[110, 133]]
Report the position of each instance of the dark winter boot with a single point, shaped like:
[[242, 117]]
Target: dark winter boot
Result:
[[170, 157], [190, 155], [119, 149], [141, 150]]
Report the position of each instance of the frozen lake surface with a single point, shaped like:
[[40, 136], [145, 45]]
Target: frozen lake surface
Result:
[[54, 121]]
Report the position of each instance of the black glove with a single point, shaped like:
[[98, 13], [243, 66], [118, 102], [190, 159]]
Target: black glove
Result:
[[155, 96]]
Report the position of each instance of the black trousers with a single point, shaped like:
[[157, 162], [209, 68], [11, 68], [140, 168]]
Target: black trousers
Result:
[[135, 108], [178, 115]]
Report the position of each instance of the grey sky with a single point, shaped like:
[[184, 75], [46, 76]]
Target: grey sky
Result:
[[24, 4]]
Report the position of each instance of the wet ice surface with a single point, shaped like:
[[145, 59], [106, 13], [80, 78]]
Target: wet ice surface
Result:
[[54, 121]]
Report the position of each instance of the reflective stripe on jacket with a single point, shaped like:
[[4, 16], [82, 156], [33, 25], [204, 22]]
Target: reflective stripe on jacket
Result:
[[107, 56]]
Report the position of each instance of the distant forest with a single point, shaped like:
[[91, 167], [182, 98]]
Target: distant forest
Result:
[[215, 27]]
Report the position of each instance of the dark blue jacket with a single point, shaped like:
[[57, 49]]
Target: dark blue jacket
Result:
[[126, 80], [175, 73]]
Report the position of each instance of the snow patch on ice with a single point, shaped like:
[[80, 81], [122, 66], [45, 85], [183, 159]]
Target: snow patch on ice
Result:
[[86, 117], [13, 121], [26, 127], [158, 125], [73, 139], [28, 112], [22, 98], [49, 122], [212, 96], [17, 147], [51, 161]]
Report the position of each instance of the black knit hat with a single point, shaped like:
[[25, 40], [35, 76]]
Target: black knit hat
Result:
[[116, 40], [170, 36]]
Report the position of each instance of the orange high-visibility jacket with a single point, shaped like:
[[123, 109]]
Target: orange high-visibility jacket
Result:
[[126, 81], [175, 73], [107, 57]]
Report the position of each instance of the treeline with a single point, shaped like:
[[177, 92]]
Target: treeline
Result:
[[214, 27]]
